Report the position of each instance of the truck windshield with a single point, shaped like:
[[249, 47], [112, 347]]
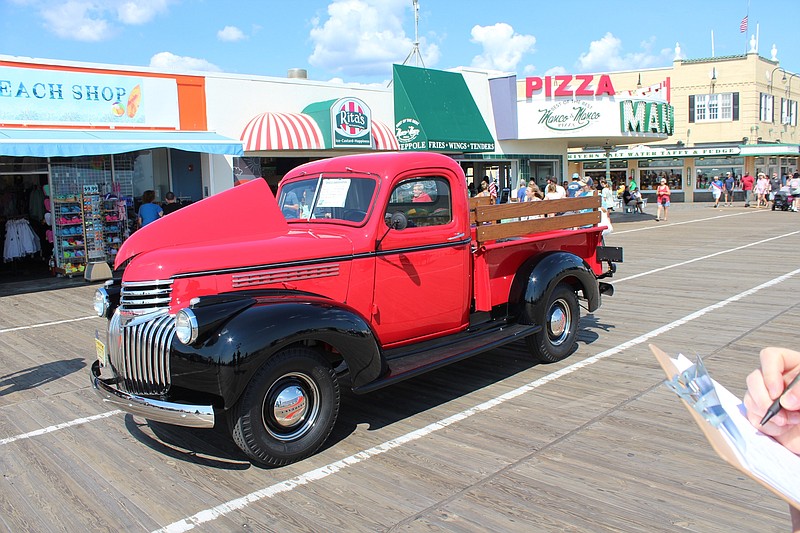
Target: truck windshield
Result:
[[323, 198]]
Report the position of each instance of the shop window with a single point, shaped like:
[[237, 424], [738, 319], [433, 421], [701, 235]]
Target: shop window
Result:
[[705, 176], [650, 179], [651, 171]]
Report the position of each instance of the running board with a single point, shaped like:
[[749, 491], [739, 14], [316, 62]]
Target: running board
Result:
[[406, 363]]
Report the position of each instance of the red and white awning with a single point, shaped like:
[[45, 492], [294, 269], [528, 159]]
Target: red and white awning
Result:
[[282, 131], [383, 136]]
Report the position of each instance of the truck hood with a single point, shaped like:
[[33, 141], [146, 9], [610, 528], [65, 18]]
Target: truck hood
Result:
[[229, 255], [248, 211]]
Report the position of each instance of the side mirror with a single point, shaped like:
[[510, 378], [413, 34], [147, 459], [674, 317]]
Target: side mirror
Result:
[[398, 221]]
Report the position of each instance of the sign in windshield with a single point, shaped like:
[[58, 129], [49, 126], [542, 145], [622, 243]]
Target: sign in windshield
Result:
[[327, 199]]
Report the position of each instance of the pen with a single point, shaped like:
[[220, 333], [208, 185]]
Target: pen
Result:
[[776, 405]]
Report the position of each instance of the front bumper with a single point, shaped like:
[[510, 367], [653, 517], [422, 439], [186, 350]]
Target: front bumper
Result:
[[177, 414]]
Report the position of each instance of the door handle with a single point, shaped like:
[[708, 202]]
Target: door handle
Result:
[[456, 236]]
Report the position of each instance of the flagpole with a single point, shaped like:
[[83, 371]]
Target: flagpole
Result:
[[747, 17], [712, 43]]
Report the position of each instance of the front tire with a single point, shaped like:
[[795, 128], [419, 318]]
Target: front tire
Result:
[[559, 320], [288, 409]]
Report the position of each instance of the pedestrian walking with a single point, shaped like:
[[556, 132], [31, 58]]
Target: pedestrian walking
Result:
[[761, 188], [775, 184], [729, 183], [794, 190], [662, 197], [716, 187], [747, 186]]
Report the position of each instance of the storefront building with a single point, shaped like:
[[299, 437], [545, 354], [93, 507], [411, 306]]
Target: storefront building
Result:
[[733, 114], [91, 139], [284, 122], [79, 145]]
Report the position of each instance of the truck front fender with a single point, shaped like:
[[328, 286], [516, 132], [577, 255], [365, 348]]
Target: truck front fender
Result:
[[240, 345], [536, 279]]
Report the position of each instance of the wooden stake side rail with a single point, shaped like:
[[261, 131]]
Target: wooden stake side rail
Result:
[[492, 220]]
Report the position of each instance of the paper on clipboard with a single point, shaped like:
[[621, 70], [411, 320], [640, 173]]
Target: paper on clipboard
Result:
[[752, 452]]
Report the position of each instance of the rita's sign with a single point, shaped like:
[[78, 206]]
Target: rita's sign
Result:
[[568, 86], [351, 121]]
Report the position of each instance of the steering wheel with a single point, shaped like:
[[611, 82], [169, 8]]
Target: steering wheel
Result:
[[354, 215]]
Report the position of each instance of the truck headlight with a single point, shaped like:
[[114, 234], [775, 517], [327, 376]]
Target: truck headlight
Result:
[[101, 301], [186, 326]]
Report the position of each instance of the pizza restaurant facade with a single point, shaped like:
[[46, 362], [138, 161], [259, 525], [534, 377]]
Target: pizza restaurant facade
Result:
[[547, 117]]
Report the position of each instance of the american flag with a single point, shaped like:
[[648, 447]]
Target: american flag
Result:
[[743, 25], [492, 189]]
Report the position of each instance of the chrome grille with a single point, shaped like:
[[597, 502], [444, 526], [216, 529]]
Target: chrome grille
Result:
[[142, 297], [139, 352], [139, 337]]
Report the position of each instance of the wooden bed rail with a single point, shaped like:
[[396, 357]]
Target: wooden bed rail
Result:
[[514, 219]]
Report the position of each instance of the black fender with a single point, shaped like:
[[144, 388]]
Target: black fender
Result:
[[537, 278], [221, 362]]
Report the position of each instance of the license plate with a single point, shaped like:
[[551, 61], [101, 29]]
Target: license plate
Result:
[[101, 352]]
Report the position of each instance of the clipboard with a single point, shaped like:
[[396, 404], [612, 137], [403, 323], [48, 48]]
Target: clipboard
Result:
[[721, 441]]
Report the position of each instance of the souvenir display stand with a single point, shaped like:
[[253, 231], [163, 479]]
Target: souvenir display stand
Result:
[[69, 240]]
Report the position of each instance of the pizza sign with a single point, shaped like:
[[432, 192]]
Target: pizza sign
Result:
[[352, 123]]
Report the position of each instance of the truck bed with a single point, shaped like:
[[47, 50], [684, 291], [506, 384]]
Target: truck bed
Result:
[[504, 236]]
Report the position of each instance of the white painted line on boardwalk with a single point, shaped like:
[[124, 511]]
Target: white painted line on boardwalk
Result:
[[689, 261], [50, 429], [45, 324], [315, 475], [693, 221]]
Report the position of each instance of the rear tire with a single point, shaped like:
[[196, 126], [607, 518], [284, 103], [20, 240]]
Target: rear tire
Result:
[[288, 409], [559, 320]]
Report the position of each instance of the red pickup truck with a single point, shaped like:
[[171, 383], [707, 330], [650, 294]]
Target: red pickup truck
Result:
[[369, 269]]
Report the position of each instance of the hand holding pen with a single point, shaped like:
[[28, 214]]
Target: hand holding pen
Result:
[[770, 399], [776, 405]]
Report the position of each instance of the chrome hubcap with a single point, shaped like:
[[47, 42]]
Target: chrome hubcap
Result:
[[559, 323], [291, 406]]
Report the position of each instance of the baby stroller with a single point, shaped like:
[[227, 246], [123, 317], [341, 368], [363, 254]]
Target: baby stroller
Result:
[[782, 201]]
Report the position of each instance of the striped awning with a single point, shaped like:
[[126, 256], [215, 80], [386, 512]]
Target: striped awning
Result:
[[282, 131], [383, 136]]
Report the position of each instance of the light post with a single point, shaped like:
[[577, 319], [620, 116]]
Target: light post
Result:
[[608, 148], [784, 79]]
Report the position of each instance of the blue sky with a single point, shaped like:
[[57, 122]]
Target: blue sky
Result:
[[356, 41]]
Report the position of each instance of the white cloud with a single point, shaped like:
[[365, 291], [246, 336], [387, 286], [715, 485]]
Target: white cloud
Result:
[[77, 20], [355, 84], [502, 48], [172, 63], [230, 34], [555, 71], [365, 37], [141, 11], [606, 54], [91, 21]]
